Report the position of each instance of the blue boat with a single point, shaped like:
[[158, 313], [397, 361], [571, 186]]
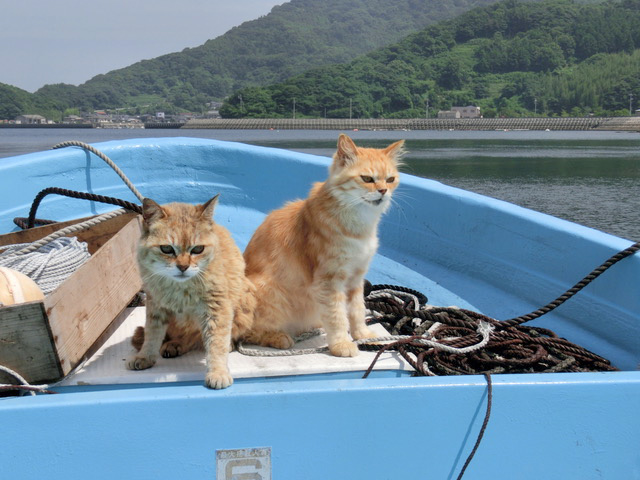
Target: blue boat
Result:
[[317, 417]]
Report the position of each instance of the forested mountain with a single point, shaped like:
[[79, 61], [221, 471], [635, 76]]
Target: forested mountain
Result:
[[14, 101], [511, 58], [294, 37]]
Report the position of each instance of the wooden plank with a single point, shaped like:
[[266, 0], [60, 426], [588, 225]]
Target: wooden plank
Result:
[[26, 344], [33, 234], [95, 236], [98, 235], [88, 301]]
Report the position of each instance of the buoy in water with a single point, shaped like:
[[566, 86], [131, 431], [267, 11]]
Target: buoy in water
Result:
[[16, 287]]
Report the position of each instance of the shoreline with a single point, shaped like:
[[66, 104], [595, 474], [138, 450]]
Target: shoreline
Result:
[[527, 123], [630, 124]]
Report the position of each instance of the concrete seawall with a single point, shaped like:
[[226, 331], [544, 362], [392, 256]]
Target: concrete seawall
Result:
[[537, 123]]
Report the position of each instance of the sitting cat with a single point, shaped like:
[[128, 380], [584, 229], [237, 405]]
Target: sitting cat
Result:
[[308, 259], [193, 275]]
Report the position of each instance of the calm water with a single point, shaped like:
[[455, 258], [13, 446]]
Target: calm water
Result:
[[592, 178]]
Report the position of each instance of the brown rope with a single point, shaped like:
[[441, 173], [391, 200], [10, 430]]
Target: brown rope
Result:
[[31, 220]]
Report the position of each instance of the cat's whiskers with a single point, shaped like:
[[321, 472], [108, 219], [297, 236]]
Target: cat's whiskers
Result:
[[395, 202]]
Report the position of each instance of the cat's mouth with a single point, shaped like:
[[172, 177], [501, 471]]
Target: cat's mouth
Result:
[[181, 276], [374, 202]]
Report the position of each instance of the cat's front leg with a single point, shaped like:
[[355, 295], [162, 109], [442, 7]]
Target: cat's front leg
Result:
[[334, 319], [216, 334], [356, 312], [155, 328]]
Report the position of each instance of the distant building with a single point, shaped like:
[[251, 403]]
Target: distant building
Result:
[[448, 114], [73, 119], [160, 115], [470, 111], [31, 119]]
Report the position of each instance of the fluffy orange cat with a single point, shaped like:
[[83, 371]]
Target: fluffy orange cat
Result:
[[308, 259], [193, 275]]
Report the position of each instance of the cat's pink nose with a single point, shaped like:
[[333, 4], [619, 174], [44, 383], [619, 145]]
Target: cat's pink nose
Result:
[[383, 191], [182, 268]]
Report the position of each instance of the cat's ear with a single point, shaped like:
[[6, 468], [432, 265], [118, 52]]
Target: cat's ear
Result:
[[151, 210], [395, 150], [346, 153], [209, 207]]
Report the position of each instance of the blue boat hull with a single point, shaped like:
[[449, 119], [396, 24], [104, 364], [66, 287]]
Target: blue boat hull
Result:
[[455, 246], [565, 427]]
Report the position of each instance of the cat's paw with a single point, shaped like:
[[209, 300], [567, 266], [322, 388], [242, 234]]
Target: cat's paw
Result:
[[171, 350], [218, 379], [278, 340], [344, 349], [140, 363], [363, 333]]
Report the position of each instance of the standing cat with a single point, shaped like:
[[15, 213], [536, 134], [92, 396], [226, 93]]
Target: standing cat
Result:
[[308, 259], [193, 275]]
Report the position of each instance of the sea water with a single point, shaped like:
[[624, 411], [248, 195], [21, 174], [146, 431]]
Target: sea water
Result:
[[588, 177]]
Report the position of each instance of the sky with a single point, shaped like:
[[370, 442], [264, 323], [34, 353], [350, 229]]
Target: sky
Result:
[[70, 41]]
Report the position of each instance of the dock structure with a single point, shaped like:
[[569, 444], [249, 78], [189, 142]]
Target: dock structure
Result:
[[531, 123]]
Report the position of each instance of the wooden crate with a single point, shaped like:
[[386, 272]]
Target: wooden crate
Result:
[[44, 341]]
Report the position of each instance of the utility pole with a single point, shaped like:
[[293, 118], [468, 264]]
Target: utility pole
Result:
[[535, 106], [294, 108], [350, 108], [426, 110], [630, 104]]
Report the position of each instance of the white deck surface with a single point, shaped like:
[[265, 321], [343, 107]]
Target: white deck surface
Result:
[[107, 366]]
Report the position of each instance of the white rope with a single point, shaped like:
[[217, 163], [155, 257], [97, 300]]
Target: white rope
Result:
[[22, 381], [484, 330], [69, 230], [50, 264], [273, 352], [108, 161]]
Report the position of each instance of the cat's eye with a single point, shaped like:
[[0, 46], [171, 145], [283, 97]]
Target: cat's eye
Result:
[[391, 179], [367, 179], [167, 249], [197, 250]]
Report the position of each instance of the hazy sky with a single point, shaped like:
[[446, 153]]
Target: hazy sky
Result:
[[71, 41]]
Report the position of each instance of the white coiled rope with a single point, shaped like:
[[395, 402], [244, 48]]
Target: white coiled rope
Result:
[[50, 264]]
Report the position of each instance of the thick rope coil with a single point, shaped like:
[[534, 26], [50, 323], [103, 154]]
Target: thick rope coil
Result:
[[514, 349], [49, 265]]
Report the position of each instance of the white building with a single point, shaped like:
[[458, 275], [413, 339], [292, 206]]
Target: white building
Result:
[[470, 111], [31, 119]]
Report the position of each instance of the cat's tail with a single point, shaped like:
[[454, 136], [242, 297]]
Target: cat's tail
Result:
[[138, 338]]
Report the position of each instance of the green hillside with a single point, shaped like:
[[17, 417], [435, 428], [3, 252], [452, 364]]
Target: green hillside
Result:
[[512, 58], [292, 38], [15, 101]]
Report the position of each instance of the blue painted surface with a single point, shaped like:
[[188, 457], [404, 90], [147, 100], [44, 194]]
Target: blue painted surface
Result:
[[568, 426], [457, 247]]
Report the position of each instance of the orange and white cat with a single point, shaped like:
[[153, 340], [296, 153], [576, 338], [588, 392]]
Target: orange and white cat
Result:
[[308, 259], [193, 275]]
